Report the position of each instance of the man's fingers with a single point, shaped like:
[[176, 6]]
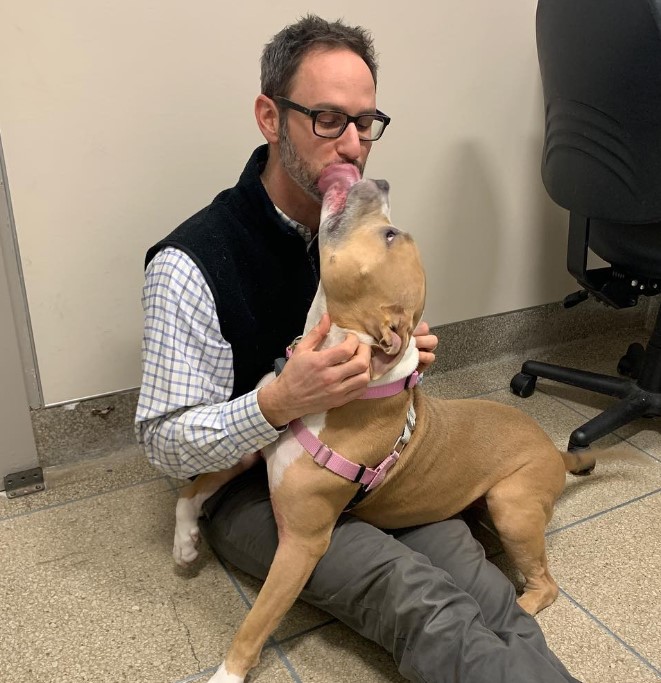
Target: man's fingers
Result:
[[421, 329], [341, 353], [426, 342], [317, 334], [357, 366]]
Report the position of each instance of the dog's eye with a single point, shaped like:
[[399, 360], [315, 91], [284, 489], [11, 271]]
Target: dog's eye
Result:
[[390, 234]]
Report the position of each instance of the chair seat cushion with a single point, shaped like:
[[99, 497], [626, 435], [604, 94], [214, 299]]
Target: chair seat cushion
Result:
[[634, 248]]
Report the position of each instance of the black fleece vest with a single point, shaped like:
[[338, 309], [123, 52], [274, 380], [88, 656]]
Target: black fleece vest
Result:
[[259, 271]]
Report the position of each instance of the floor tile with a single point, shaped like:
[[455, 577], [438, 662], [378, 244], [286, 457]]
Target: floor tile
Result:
[[83, 479], [270, 669], [90, 591], [587, 650], [610, 565], [335, 653], [475, 380]]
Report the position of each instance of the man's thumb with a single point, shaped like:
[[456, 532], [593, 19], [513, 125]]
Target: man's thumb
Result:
[[317, 334]]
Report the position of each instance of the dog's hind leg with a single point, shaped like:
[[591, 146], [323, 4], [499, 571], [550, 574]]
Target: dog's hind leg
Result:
[[520, 516]]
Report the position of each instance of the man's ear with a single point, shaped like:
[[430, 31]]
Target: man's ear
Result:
[[268, 117]]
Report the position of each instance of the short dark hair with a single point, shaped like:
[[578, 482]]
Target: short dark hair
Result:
[[282, 56]]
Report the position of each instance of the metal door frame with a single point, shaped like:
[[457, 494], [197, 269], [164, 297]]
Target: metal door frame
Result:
[[20, 387]]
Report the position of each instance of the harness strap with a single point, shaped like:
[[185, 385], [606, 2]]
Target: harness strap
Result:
[[369, 478]]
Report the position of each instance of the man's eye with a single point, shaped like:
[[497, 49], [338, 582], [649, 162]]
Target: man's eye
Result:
[[364, 123], [330, 119]]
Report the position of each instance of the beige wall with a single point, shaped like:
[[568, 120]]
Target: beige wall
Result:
[[120, 119]]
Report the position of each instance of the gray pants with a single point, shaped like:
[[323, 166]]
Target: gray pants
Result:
[[426, 594]]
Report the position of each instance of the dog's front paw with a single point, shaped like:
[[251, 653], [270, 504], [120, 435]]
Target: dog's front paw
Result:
[[222, 676], [185, 546]]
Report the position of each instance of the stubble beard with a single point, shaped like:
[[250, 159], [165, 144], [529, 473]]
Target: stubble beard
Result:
[[298, 170]]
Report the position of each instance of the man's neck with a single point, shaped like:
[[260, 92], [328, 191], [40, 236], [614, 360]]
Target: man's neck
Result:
[[289, 197]]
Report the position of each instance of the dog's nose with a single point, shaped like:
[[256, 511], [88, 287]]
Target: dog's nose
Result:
[[383, 185]]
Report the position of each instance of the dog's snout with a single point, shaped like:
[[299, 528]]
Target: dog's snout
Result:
[[383, 185]]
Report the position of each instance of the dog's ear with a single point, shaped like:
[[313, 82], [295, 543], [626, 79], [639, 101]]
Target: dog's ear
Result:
[[390, 348], [381, 362]]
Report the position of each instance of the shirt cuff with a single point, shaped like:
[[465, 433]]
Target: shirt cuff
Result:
[[250, 429]]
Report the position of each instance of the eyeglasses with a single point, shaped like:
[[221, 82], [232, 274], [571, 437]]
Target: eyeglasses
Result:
[[331, 124]]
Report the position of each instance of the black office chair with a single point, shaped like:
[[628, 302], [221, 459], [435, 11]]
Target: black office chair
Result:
[[600, 62]]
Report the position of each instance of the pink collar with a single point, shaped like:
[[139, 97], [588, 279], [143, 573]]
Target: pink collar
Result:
[[386, 390]]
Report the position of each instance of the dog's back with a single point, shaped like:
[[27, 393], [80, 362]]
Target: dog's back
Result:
[[460, 449]]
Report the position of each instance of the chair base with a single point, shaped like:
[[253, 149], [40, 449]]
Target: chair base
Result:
[[639, 395]]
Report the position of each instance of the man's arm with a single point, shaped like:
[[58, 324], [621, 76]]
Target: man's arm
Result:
[[184, 420]]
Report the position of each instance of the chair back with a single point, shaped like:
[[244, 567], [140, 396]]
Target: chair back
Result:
[[600, 63]]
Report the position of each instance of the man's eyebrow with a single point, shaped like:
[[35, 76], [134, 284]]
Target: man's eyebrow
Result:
[[329, 106]]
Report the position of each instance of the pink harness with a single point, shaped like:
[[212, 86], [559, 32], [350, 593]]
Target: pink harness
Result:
[[369, 478]]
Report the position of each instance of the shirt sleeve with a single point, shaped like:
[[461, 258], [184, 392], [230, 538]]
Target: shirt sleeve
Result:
[[185, 421]]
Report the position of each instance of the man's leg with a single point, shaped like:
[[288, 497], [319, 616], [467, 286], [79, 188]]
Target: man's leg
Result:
[[386, 591], [458, 553]]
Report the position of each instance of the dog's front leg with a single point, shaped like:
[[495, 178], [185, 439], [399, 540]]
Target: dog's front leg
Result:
[[304, 538]]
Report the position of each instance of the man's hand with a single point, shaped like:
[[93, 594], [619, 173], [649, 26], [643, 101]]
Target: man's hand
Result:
[[426, 344], [315, 380]]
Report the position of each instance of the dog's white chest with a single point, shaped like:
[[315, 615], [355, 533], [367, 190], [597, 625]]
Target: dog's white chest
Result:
[[286, 450]]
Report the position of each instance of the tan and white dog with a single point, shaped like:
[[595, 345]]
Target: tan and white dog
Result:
[[373, 283]]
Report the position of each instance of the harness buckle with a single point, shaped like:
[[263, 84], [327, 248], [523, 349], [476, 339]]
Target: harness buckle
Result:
[[381, 471], [400, 444], [292, 346], [323, 455]]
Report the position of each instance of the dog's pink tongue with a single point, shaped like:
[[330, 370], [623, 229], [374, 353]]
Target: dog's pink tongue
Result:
[[345, 174]]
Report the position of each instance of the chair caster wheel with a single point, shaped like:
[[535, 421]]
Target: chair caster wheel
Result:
[[523, 385], [631, 363]]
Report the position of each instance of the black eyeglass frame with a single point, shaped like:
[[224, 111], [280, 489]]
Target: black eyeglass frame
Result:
[[314, 113]]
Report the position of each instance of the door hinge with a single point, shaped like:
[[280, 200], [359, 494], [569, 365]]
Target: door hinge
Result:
[[23, 483]]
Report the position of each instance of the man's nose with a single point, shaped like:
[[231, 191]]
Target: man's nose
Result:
[[349, 144]]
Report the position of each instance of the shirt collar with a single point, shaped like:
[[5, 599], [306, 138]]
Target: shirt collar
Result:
[[301, 229]]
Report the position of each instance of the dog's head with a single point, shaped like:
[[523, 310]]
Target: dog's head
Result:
[[371, 271]]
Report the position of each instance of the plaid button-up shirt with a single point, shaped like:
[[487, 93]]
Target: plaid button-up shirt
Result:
[[185, 421]]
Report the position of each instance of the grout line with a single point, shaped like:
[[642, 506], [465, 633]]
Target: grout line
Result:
[[614, 635], [271, 643], [285, 660], [307, 631], [603, 512], [91, 496], [234, 581], [197, 676]]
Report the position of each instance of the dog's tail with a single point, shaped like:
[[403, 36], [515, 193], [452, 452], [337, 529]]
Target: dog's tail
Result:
[[581, 461]]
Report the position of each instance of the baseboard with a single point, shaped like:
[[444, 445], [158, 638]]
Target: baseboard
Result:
[[100, 426], [84, 429], [484, 339]]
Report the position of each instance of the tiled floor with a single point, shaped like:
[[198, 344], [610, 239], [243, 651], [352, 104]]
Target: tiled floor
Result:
[[89, 592]]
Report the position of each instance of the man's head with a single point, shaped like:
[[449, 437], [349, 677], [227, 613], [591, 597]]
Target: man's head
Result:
[[309, 66], [282, 56]]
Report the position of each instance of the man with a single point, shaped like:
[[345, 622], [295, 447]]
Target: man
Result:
[[224, 295]]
